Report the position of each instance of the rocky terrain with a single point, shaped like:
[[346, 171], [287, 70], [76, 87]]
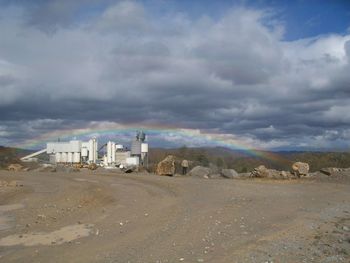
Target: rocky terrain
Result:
[[109, 216]]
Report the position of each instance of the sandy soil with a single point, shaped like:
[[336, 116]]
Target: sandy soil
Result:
[[110, 217]]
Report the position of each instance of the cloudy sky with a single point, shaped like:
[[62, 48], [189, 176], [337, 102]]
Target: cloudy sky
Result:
[[266, 74]]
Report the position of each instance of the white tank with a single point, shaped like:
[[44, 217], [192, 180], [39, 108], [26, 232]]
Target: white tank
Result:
[[109, 152], [63, 157], [76, 158], [113, 152], [95, 150], [84, 152], [144, 148], [70, 157], [119, 147], [91, 150], [58, 157]]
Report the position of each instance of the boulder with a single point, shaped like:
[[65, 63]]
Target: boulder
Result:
[[260, 171], [16, 167], [167, 166], [229, 173], [300, 169], [330, 171], [200, 171], [92, 166]]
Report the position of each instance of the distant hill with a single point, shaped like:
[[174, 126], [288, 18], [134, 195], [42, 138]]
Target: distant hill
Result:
[[10, 155]]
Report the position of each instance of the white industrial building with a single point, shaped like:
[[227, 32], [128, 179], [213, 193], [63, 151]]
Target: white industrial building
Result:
[[76, 151], [73, 151]]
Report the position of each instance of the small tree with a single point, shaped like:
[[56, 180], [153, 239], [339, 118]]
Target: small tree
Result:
[[203, 160], [220, 162]]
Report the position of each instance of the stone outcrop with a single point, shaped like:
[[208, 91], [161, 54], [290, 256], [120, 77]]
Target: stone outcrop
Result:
[[229, 173], [330, 171], [300, 169], [200, 171], [167, 166]]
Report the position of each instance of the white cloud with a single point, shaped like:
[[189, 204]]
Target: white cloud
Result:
[[235, 74]]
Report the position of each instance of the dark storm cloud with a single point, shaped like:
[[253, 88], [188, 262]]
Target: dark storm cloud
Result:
[[234, 75]]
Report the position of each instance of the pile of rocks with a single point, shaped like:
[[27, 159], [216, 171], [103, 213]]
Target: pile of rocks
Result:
[[262, 172]]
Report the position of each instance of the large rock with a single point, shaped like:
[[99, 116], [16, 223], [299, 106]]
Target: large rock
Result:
[[200, 171], [260, 171], [229, 173], [92, 166], [167, 166], [330, 171], [263, 172], [300, 169], [16, 167]]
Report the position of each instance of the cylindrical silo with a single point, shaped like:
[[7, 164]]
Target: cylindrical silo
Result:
[[144, 148], [95, 150], [84, 152], [119, 147], [113, 152], [70, 157], [136, 147], [109, 152], [64, 157], [91, 151], [58, 157], [76, 157]]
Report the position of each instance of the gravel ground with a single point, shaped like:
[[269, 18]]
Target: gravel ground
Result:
[[109, 217]]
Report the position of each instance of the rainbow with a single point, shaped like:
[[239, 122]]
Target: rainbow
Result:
[[187, 135]]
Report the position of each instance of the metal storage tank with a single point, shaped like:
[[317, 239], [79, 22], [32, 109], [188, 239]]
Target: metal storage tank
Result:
[[58, 157], [70, 157], [76, 158], [136, 147], [84, 152], [109, 152], [91, 150], [119, 147], [113, 152], [63, 157], [144, 147]]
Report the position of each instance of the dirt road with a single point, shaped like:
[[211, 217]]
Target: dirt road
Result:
[[108, 217]]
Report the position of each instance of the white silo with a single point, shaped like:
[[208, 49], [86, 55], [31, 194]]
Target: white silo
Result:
[[95, 150], [58, 157], [76, 157], [69, 157], [109, 152], [113, 152], [64, 157], [91, 151], [84, 152]]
